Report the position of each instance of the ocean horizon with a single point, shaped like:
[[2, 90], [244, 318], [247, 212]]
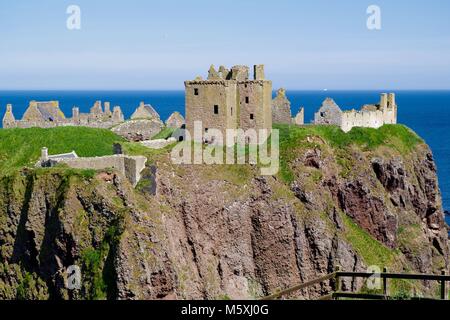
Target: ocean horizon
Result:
[[427, 112]]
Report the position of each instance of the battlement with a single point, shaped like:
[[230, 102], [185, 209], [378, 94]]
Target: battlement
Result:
[[237, 73]]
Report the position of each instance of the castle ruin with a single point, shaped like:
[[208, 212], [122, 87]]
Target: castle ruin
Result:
[[47, 114], [228, 99], [370, 115]]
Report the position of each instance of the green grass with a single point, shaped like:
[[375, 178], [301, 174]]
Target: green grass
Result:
[[137, 149], [97, 269], [398, 137], [22, 147], [164, 134], [372, 251]]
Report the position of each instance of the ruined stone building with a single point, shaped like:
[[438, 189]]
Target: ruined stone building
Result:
[[98, 117], [281, 110], [145, 111], [229, 99], [370, 115], [47, 114], [329, 113], [144, 124], [129, 166]]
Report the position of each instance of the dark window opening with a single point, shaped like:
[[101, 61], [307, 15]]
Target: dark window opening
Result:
[[206, 129], [216, 109], [196, 91], [180, 138], [231, 110], [251, 116], [247, 99], [322, 114]]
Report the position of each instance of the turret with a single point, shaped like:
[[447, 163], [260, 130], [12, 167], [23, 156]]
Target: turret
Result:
[[383, 101], [259, 72], [391, 100], [239, 73], [8, 119]]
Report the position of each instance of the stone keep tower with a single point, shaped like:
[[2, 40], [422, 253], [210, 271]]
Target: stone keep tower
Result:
[[228, 99]]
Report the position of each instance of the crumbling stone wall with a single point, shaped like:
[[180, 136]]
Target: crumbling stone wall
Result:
[[130, 166], [329, 113], [372, 116], [299, 119], [281, 108], [138, 130]]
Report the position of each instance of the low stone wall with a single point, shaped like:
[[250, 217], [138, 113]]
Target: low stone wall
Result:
[[138, 130], [48, 124], [129, 166], [158, 143]]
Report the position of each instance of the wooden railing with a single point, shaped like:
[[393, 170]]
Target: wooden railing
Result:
[[384, 276]]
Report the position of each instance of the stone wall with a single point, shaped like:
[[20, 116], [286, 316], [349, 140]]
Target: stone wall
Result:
[[329, 113], [371, 116], [130, 166], [138, 130], [299, 119], [281, 108]]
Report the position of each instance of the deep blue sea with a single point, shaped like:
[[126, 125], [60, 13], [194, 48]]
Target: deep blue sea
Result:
[[426, 112]]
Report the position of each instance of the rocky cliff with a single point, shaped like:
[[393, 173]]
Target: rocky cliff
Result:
[[217, 232]]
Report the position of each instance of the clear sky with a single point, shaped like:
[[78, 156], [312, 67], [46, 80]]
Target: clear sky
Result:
[[153, 44]]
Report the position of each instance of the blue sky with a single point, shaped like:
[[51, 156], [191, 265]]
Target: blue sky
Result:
[[138, 44]]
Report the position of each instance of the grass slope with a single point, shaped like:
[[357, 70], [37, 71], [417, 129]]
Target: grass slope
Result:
[[397, 137], [22, 147]]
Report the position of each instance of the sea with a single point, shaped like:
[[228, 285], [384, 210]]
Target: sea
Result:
[[426, 112]]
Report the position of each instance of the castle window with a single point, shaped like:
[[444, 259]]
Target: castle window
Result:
[[247, 99], [206, 129], [216, 109], [231, 110], [251, 116], [195, 91]]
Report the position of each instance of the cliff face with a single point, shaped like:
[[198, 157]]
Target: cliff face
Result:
[[215, 232]]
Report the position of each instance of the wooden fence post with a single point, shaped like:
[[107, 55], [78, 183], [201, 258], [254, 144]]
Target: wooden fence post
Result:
[[385, 283], [337, 285], [443, 291]]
